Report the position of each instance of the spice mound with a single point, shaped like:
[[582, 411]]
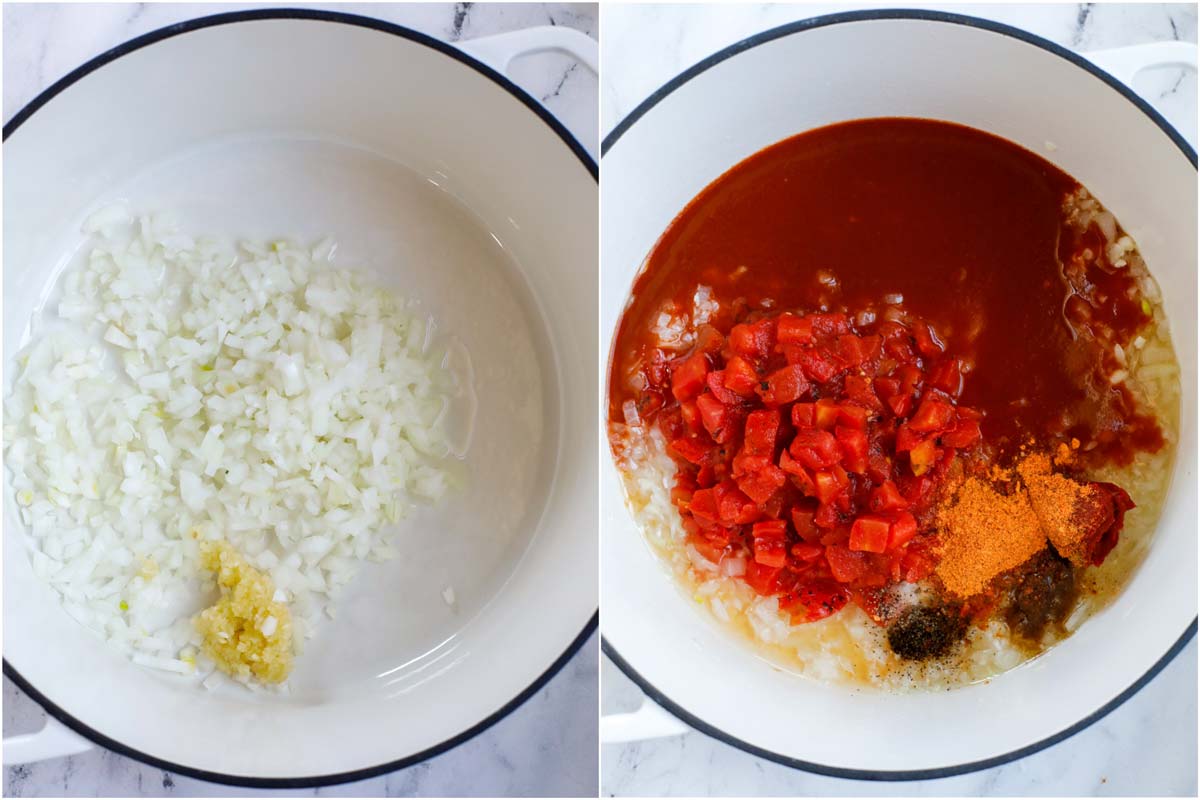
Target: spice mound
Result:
[[247, 632], [994, 525]]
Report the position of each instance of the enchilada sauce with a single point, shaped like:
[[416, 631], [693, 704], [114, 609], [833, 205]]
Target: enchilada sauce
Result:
[[872, 310]]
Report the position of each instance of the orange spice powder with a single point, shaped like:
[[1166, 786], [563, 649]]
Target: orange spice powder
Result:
[[1067, 510], [986, 531]]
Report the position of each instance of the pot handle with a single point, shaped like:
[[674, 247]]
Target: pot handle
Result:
[[1124, 63], [499, 51], [649, 721], [52, 741]]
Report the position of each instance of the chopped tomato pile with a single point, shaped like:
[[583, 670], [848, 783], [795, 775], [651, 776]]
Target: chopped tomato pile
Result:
[[810, 450]]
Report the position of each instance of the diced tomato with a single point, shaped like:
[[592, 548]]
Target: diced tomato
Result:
[[817, 368], [770, 543], [902, 531], [734, 507], [900, 348], [713, 551], [947, 376], [806, 552], [770, 552], [827, 516], [690, 416], [870, 534], [704, 504], [852, 350], [801, 477], [740, 377], [932, 415], [793, 353], [806, 528], [871, 451], [965, 433], [907, 439], [794, 330], [815, 601], [872, 346], [716, 417], [753, 341], [928, 343], [815, 448], [804, 416], [917, 490], [859, 389], [854, 448], [910, 377], [783, 386], [917, 563], [744, 463], [708, 340], [770, 529], [790, 465], [759, 486], [670, 422], [687, 380], [683, 490], [761, 578], [886, 497], [923, 457], [853, 416], [692, 450], [894, 395], [846, 565], [826, 414], [716, 385], [762, 432], [773, 506], [829, 324], [879, 466], [830, 483]]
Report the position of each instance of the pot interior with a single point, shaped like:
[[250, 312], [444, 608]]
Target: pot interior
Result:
[[795, 80], [306, 128]]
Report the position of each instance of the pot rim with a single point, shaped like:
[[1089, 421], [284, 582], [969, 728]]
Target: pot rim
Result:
[[572, 144], [814, 23]]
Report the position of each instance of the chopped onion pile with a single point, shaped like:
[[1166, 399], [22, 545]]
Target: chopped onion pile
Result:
[[255, 394]]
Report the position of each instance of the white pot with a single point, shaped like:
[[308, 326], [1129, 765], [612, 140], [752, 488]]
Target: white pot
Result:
[[465, 194], [918, 64]]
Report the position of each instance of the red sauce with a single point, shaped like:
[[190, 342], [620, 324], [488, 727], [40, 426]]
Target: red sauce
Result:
[[967, 227]]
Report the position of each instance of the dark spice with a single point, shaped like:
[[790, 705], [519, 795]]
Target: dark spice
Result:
[[924, 632], [1043, 596]]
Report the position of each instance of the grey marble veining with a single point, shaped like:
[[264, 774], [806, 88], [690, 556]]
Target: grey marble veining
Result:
[[546, 747], [44, 42], [1147, 746], [644, 46]]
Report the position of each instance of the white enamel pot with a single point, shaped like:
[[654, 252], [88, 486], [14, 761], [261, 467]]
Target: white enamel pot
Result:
[[917, 64], [435, 172]]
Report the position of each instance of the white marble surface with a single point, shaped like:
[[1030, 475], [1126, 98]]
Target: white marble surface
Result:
[[546, 747], [644, 46], [1146, 747]]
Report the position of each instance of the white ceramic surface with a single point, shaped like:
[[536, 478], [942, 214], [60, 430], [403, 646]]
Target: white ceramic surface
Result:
[[917, 69], [308, 127]]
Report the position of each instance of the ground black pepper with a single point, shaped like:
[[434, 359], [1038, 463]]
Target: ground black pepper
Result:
[[925, 632]]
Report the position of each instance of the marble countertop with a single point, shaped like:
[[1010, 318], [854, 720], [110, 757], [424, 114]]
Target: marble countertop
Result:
[[547, 746], [1147, 746]]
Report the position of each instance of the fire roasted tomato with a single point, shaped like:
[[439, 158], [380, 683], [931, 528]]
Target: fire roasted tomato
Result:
[[810, 449]]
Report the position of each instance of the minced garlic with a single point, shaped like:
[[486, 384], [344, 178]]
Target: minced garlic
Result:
[[247, 632]]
